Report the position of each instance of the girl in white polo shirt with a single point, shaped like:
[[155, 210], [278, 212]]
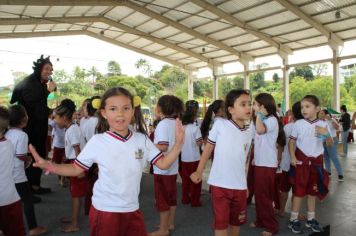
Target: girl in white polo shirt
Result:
[[58, 156], [190, 155], [168, 108], [121, 155], [269, 135], [215, 111], [231, 139]]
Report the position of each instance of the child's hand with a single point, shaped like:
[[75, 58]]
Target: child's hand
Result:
[[293, 161], [180, 132], [39, 161], [320, 130], [263, 111], [196, 177]]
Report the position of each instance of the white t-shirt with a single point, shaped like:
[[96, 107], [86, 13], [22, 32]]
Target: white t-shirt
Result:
[[58, 135], [285, 162], [8, 192], [190, 149], [89, 128], [232, 145], [73, 137], [265, 146], [304, 132], [165, 133], [121, 161], [331, 127], [82, 122], [19, 140]]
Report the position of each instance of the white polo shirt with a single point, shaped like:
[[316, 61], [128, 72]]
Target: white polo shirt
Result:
[[165, 133], [304, 133], [73, 137], [19, 140], [190, 149], [58, 135], [265, 148], [232, 145], [89, 128], [121, 161], [8, 192], [285, 162]]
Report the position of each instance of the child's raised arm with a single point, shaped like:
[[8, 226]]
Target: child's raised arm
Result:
[[60, 169]]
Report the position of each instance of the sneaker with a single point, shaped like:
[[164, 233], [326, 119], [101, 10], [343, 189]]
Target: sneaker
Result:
[[314, 225], [295, 226], [341, 178]]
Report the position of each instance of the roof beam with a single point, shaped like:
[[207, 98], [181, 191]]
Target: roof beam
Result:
[[223, 15], [334, 40], [183, 28], [59, 2]]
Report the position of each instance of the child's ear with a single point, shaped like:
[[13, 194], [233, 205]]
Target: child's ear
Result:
[[103, 113]]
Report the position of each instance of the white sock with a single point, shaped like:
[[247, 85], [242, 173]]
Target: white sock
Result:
[[294, 216], [311, 215]]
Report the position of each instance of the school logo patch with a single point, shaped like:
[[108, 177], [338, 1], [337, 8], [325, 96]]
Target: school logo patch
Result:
[[139, 154]]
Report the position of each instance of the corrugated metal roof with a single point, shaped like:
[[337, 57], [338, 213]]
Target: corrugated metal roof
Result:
[[190, 33]]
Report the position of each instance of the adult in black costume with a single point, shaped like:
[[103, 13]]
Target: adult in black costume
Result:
[[32, 93]]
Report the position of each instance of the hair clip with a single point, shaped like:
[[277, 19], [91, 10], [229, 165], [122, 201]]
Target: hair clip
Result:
[[136, 101], [96, 103]]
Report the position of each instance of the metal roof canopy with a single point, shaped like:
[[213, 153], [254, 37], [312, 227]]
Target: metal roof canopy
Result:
[[191, 34]]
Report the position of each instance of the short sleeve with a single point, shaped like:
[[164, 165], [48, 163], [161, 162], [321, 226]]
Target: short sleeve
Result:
[[22, 145], [294, 133], [86, 157], [152, 153], [198, 136], [161, 134], [214, 132], [74, 136], [271, 124], [52, 123]]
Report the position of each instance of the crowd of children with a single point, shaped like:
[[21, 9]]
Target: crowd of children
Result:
[[105, 148]]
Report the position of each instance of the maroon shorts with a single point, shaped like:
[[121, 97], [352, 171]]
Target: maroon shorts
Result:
[[229, 207], [58, 155], [283, 182], [116, 223], [165, 191], [78, 186], [11, 219]]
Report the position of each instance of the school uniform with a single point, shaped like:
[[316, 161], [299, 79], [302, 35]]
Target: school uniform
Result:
[[309, 177], [283, 177], [228, 173], [121, 161], [266, 163], [190, 157], [74, 137], [165, 181], [89, 127], [11, 221], [58, 156]]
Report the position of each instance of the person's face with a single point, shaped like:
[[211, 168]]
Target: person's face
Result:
[[118, 112], [309, 110], [322, 115], [241, 110], [46, 71], [61, 121]]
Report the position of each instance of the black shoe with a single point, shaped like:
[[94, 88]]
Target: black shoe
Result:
[[41, 190], [341, 178], [36, 199]]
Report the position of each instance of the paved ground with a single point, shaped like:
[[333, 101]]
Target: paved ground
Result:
[[338, 209]]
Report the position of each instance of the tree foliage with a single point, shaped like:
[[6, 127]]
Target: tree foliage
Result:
[[114, 68], [302, 71]]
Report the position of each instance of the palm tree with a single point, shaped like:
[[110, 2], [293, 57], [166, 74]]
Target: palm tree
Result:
[[145, 66]]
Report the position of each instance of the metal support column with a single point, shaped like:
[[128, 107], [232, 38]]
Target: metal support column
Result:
[[336, 79]]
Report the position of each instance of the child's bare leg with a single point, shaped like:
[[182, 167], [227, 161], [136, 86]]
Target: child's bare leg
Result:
[[221, 232], [172, 217], [163, 225], [311, 207], [283, 202], [73, 226], [234, 230], [297, 201]]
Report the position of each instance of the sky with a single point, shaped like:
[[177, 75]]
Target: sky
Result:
[[69, 51]]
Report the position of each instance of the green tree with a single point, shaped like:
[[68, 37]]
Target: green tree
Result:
[[114, 68], [319, 69], [276, 78], [350, 81], [172, 76], [18, 76], [302, 71], [145, 66]]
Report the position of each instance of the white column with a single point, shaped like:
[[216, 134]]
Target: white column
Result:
[[215, 83], [246, 75], [190, 85], [336, 79], [285, 82]]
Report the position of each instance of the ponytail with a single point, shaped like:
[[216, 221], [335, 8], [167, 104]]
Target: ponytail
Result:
[[212, 109]]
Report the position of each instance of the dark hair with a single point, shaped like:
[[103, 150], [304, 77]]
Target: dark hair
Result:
[[103, 125], [40, 63], [17, 115], [212, 109], [4, 119], [297, 111], [90, 109], [269, 104], [171, 106], [231, 98], [65, 109], [191, 112], [313, 99], [343, 108], [326, 112], [155, 123]]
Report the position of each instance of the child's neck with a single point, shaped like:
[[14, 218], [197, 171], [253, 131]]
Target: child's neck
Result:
[[313, 118], [68, 124], [240, 123]]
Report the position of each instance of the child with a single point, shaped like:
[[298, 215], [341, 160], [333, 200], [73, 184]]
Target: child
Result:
[[74, 143], [269, 137], [168, 109], [306, 151], [19, 140], [84, 113], [49, 134], [330, 153], [215, 111], [283, 178], [89, 126], [190, 154], [231, 140], [11, 221], [120, 155]]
